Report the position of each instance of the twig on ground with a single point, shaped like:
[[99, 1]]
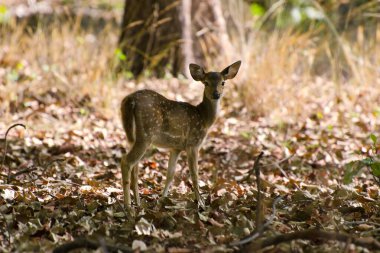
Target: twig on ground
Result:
[[122, 208], [349, 223], [64, 182], [27, 170], [5, 148], [370, 231], [54, 161], [375, 178], [259, 208], [313, 234], [258, 233], [89, 244], [287, 176], [44, 167], [347, 247], [250, 172], [279, 162], [259, 205], [6, 229], [30, 169]]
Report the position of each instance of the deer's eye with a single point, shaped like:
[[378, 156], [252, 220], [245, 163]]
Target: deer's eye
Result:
[[223, 83]]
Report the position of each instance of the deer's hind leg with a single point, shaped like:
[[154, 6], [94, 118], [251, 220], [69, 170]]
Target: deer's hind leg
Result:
[[129, 161], [135, 185]]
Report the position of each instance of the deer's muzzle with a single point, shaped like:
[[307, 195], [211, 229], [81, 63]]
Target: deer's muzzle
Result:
[[216, 95]]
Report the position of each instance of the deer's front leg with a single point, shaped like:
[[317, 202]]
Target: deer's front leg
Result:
[[174, 154], [192, 156]]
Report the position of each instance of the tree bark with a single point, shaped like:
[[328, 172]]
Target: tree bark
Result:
[[149, 36], [162, 36], [187, 46]]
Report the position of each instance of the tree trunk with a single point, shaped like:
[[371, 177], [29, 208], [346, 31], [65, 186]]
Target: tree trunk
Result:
[[187, 46], [162, 36], [150, 36]]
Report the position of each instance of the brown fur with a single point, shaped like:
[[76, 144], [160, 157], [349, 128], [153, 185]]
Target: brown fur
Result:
[[150, 118]]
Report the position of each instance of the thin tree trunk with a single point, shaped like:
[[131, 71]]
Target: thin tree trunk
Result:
[[150, 36], [187, 46], [167, 35], [220, 22]]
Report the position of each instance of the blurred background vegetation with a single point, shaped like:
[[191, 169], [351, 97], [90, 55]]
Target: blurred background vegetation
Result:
[[300, 57]]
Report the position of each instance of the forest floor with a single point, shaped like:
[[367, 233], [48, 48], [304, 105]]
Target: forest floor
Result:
[[61, 179]]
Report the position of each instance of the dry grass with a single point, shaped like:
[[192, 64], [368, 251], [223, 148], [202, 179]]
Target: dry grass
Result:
[[72, 61], [280, 82], [276, 81], [287, 76], [62, 57]]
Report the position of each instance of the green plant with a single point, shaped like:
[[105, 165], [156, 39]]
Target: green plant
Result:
[[371, 161], [4, 14]]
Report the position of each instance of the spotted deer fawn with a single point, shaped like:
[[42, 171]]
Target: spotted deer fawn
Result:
[[150, 118]]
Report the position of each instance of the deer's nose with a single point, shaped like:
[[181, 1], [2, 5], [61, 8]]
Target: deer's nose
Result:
[[216, 95]]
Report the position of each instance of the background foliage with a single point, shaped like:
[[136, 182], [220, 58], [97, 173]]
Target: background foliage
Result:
[[306, 96]]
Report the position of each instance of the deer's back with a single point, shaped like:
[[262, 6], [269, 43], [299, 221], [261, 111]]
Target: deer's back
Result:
[[165, 123]]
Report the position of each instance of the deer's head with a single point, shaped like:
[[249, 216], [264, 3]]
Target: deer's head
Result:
[[214, 81]]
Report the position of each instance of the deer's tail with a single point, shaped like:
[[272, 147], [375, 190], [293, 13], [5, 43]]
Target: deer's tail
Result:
[[128, 118]]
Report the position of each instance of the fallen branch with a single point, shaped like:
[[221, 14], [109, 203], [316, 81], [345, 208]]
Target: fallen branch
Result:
[[27, 170], [259, 205], [54, 161], [369, 243], [12, 176], [349, 223], [84, 243], [258, 232], [254, 167], [122, 208], [30, 169], [6, 146], [279, 162], [250, 172], [259, 208]]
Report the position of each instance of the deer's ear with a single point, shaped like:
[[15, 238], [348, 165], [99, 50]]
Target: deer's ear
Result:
[[231, 71], [197, 72]]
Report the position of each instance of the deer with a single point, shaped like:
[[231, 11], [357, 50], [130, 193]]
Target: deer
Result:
[[149, 118]]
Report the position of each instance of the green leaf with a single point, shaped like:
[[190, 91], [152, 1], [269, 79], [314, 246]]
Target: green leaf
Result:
[[257, 10], [3, 9], [373, 138], [375, 166], [351, 170], [120, 55], [247, 135], [3, 13], [367, 161]]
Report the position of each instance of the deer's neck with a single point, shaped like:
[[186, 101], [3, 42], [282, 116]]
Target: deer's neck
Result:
[[208, 110]]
